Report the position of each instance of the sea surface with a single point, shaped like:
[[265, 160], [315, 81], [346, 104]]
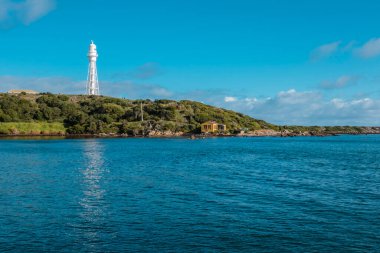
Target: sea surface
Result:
[[303, 194]]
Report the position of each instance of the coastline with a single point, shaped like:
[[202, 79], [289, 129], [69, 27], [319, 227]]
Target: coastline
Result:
[[80, 116], [183, 135]]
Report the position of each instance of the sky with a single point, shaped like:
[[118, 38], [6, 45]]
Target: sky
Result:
[[291, 62]]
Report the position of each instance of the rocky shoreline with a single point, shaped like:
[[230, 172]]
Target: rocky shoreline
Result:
[[287, 133], [170, 134]]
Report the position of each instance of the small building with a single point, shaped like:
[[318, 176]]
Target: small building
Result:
[[22, 91], [212, 127]]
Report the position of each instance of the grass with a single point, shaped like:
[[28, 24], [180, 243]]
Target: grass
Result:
[[31, 128]]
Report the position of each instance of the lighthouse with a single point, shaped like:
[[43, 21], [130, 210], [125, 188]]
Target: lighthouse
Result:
[[92, 76]]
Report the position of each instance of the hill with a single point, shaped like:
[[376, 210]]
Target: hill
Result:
[[80, 114], [27, 114]]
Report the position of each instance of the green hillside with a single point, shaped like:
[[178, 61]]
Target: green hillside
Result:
[[79, 114]]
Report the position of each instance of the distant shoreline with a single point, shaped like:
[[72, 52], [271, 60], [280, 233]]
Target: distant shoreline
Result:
[[183, 136]]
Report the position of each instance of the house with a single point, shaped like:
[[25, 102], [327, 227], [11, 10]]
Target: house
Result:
[[22, 91], [212, 127]]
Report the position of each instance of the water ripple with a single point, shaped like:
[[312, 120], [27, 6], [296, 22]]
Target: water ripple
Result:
[[177, 195]]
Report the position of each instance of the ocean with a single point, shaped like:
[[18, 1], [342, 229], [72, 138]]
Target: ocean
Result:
[[264, 194]]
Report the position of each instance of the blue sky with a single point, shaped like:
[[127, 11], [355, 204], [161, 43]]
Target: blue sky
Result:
[[288, 62]]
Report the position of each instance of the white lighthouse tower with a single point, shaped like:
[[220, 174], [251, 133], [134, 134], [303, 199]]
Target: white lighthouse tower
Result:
[[92, 77]]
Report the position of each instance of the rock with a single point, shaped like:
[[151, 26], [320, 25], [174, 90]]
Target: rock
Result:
[[168, 133], [261, 132]]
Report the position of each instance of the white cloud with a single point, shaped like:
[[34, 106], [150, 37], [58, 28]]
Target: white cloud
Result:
[[341, 82], [369, 49], [159, 91], [134, 90], [26, 12], [293, 97], [68, 86], [229, 99], [325, 51], [310, 108], [349, 46], [42, 84]]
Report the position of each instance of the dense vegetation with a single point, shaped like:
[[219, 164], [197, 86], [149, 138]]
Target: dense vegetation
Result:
[[330, 129], [32, 128], [100, 114], [80, 114]]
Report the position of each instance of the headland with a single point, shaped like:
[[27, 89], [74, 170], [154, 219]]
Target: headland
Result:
[[48, 114]]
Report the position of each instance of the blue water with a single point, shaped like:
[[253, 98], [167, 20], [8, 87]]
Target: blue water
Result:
[[304, 194]]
